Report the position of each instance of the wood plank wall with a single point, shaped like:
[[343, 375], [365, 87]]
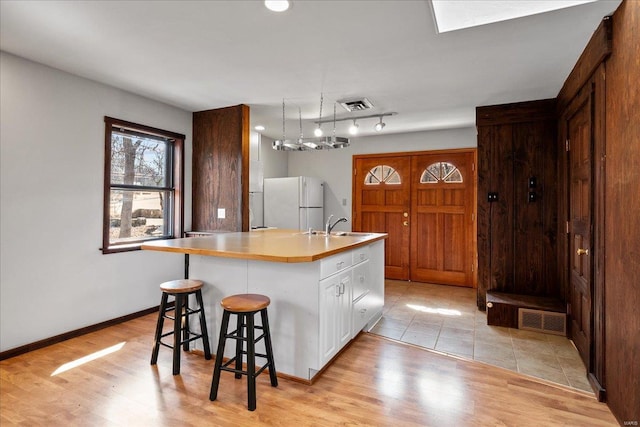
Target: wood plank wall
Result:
[[622, 221], [517, 237], [221, 169]]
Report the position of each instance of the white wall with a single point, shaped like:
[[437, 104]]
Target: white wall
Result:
[[335, 166], [53, 277]]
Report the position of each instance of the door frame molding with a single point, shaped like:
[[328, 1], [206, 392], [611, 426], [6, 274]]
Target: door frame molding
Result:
[[474, 174]]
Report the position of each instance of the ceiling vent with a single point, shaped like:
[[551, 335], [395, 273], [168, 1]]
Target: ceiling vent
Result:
[[356, 104]]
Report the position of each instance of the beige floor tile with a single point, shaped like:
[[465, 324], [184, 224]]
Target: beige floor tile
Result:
[[458, 347], [388, 332], [421, 327], [423, 340], [507, 363], [488, 350], [457, 333]]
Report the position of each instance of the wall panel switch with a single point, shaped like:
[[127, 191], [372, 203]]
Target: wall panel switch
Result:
[[221, 213]]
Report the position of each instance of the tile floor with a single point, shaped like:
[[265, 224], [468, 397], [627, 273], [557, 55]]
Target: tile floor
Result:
[[445, 319]]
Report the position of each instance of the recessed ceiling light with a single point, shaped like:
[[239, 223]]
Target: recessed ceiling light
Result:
[[456, 15], [277, 5], [259, 128]]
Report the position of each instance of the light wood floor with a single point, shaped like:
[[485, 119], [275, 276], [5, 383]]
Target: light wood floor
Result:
[[376, 381]]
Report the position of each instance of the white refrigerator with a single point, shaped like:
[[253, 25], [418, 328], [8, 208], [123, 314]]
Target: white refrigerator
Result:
[[294, 202]]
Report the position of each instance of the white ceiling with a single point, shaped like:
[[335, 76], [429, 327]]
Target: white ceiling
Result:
[[199, 55]]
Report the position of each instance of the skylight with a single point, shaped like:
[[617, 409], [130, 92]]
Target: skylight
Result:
[[456, 15]]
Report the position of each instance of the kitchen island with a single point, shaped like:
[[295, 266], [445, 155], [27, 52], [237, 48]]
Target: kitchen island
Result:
[[324, 290]]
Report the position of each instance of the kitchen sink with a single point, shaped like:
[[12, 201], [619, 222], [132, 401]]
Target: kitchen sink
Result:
[[337, 233]]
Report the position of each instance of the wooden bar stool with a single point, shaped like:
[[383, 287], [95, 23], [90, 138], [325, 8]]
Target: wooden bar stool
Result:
[[244, 306], [180, 290]]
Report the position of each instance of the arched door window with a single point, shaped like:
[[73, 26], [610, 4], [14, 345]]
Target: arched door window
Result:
[[441, 172], [382, 173]]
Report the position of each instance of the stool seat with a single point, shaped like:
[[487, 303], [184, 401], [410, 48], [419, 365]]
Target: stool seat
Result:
[[181, 286], [245, 303]]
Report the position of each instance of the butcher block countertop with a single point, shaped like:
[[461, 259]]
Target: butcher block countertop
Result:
[[277, 245]]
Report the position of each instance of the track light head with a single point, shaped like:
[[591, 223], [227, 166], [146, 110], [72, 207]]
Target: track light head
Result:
[[379, 126], [318, 131], [353, 129]]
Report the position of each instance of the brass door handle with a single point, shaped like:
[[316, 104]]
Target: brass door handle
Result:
[[581, 251], [405, 223]]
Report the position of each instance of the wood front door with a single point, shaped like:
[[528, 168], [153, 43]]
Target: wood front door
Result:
[[425, 203], [580, 219], [381, 204], [442, 208]]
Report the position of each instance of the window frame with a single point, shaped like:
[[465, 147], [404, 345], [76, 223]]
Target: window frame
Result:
[[176, 188]]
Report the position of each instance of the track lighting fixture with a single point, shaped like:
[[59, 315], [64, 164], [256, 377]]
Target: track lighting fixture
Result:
[[379, 126], [318, 131], [304, 144], [353, 129]]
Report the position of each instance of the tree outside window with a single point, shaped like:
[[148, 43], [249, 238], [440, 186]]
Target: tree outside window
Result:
[[143, 185]]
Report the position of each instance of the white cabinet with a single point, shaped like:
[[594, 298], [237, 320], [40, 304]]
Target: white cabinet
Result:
[[335, 314]]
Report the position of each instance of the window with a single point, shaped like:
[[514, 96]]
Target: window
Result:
[[441, 172], [143, 180], [380, 174]]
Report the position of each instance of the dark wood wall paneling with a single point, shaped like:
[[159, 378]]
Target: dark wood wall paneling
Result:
[[516, 237], [221, 169], [622, 220]]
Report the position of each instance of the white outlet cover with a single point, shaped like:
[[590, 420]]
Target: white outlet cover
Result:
[[221, 213]]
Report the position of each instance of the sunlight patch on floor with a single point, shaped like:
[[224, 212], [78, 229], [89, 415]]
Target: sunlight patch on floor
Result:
[[444, 311], [88, 358]]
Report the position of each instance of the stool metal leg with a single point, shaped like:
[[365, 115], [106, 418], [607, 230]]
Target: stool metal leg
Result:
[[185, 322], [251, 362], [268, 348], [239, 342], [159, 326], [177, 325], [215, 381], [203, 326]]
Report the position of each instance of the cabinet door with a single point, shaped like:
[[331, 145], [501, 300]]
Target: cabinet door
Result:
[[335, 314], [329, 289], [344, 310]]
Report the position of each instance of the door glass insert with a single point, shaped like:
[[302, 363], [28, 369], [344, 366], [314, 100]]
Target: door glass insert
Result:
[[441, 172], [382, 173]]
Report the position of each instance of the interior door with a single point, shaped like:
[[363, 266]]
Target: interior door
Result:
[[442, 218], [381, 203], [580, 215]]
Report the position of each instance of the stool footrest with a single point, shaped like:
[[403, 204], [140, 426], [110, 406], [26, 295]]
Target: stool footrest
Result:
[[225, 367]]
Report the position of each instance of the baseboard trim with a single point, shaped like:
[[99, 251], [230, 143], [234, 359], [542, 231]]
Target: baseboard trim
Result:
[[73, 334]]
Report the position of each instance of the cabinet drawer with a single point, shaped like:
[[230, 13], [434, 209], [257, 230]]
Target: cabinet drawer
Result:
[[363, 310], [360, 255], [335, 263], [361, 279]]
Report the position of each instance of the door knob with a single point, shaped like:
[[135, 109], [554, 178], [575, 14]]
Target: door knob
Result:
[[581, 251], [405, 223]]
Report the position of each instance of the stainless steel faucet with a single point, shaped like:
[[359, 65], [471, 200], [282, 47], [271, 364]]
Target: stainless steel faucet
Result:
[[328, 226]]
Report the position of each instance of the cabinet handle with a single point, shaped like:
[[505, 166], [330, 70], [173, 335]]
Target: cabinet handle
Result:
[[361, 257], [339, 265], [405, 223], [361, 279], [581, 251]]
